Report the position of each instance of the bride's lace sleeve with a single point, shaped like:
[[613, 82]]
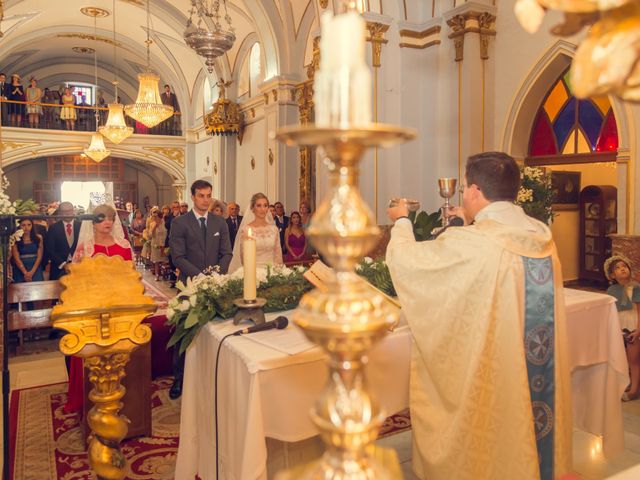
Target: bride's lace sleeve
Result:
[[277, 248]]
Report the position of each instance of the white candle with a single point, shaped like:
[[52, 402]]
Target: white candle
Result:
[[249, 266]]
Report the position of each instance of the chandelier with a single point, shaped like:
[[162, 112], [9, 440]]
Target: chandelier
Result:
[[96, 150], [607, 61], [116, 129], [206, 43], [148, 109], [225, 118]]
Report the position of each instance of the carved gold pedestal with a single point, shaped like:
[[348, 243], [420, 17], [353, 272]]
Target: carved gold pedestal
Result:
[[348, 318], [102, 308]]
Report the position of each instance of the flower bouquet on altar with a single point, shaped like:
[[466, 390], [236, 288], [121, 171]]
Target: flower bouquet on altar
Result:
[[536, 195], [210, 297]]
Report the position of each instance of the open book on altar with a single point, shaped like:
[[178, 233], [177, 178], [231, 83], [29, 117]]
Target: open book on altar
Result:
[[320, 274]]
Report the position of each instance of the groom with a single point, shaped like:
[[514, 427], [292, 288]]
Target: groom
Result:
[[198, 240]]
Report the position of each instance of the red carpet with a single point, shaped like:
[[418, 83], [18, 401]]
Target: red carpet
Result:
[[46, 444], [397, 423]]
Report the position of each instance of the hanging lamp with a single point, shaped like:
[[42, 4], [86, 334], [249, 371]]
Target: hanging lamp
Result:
[[116, 129], [148, 109], [96, 150]]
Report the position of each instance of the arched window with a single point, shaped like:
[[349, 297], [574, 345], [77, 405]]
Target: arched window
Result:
[[565, 125]]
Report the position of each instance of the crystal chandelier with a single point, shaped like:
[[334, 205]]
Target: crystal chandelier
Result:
[[148, 109], [96, 150], [226, 117], [209, 44], [116, 129], [607, 61]]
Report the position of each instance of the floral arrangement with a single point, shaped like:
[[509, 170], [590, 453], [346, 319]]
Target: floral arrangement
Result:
[[536, 194], [210, 297], [376, 272]]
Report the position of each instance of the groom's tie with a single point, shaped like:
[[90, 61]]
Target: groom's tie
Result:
[[203, 227]]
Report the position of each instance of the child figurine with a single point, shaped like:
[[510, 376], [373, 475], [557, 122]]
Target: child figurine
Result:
[[627, 294]]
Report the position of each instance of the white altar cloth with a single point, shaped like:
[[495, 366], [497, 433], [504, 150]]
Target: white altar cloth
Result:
[[266, 393]]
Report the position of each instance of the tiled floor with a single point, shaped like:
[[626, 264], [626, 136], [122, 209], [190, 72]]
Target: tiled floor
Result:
[[46, 368]]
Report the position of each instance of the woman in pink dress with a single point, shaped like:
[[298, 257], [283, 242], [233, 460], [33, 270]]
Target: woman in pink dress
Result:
[[102, 238], [295, 240]]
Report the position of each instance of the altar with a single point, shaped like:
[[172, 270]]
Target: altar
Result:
[[265, 393]]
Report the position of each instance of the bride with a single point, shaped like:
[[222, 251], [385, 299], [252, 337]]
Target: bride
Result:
[[263, 228]]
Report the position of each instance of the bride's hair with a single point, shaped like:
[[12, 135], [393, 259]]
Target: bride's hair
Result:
[[256, 197], [106, 210]]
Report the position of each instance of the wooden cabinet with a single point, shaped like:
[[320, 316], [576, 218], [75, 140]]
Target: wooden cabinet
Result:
[[598, 219]]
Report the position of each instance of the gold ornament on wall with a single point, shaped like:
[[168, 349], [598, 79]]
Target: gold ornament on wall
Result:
[[215, 168], [376, 37], [270, 157], [175, 154], [253, 163], [607, 61]]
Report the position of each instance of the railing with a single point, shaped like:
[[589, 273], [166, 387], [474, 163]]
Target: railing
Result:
[[16, 114]]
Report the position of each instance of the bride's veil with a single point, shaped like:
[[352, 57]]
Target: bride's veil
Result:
[[247, 218], [86, 242]]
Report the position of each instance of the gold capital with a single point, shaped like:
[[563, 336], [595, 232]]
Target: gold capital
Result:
[[376, 37]]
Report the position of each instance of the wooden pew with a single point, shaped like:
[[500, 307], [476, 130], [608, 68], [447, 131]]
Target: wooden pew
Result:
[[21, 319]]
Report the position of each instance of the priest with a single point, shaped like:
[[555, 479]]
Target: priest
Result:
[[490, 386]]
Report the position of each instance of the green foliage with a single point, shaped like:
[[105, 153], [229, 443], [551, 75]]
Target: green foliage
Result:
[[536, 195], [424, 223], [211, 299], [25, 207], [377, 274]]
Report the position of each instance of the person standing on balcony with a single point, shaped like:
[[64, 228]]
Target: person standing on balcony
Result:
[[68, 111], [169, 98], [34, 96], [4, 92], [16, 94]]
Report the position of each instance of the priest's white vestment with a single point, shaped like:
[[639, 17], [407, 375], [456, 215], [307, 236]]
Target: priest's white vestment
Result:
[[463, 295]]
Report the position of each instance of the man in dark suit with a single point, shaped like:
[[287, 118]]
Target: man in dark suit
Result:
[[198, 240], [4, 93], [282, 222], [169, 98], [61, 240], [233, 221]]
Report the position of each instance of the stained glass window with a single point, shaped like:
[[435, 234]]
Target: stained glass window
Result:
[[565, 125]]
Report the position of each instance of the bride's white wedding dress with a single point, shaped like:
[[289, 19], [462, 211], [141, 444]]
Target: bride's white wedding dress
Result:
[[268, 249]]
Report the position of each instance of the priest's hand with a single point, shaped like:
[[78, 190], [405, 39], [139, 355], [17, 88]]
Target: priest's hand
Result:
[[459, 212], [398, 211]]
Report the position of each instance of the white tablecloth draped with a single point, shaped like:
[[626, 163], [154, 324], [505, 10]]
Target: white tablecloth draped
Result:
[[266, 393], [599, 369]]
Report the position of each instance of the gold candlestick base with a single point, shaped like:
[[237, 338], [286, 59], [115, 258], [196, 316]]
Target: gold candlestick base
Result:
[[348, 318], [252, 310]]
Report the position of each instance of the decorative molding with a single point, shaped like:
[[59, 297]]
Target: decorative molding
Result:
[[312, 68], [376, 37], [324, 3], [95, 12], [472, 21], [174, 154], [420, 39], [215, 168], [86, 36], [274, 92], [9, 145], [266, 99], [304, 96], [85, 50]]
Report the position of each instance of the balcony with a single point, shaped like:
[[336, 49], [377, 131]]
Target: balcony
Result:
[[14, 114]]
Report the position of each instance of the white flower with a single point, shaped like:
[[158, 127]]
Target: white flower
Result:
[[184, 306], [299, 268], [239, 273], [367, 260], [524, 195], [261, 275], [193, 299], [170, 312]]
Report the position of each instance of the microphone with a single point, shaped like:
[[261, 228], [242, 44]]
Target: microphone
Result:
[[92, 218], [279, 323]]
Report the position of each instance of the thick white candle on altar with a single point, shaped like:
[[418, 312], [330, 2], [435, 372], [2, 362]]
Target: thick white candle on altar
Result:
[[342, 86], [249, 266]]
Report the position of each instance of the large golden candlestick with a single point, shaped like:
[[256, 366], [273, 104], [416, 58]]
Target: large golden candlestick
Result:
[[103, 319], [348, 318]]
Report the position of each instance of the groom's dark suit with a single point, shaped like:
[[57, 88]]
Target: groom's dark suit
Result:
[[189, 251]]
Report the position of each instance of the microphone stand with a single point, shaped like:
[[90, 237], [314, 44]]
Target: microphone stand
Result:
[[7, 228]]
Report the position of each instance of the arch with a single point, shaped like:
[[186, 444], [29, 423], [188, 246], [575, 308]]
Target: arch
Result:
[[174, 170], [543, 75]]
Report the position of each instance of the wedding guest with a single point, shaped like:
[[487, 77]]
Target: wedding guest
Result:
[[136, 228], [305, 213], [217, 207], [233, 221], [627, 294], [282, 222], [61, 240], [16, 94], [489, 368], [34, 95], [4, 93], [184, 208], [295, 240], [27, 255], [158, 236], [68, 111]]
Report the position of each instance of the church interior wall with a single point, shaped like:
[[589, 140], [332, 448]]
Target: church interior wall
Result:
[[250, 180], [22, 175]]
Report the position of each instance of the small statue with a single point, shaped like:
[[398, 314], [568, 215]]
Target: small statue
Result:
[[222, 86]]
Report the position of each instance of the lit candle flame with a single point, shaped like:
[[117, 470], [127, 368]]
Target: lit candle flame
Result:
[[249, 233]]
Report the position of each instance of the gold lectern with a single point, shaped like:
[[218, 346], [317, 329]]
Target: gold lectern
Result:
[[103, 305]]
